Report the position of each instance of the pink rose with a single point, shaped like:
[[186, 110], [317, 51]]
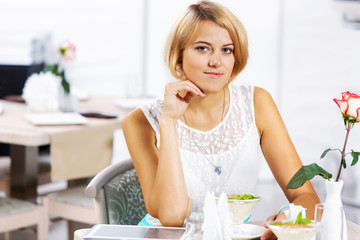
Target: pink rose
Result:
[[67, 50], [349, 105]]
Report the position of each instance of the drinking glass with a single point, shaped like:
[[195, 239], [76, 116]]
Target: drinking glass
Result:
[[331, 219], [195, 218], [240, 210], [293, 231]]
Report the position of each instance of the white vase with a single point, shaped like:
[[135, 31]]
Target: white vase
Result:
[[333, 198], [67, 101]]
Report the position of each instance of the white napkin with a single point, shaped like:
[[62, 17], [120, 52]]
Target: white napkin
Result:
[[293, 211], [225, 216], [217, 219]]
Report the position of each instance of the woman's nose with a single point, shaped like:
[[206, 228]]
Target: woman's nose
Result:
[[215, 60]]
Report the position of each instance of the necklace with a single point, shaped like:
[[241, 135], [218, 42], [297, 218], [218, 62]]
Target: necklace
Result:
[[217, 168]]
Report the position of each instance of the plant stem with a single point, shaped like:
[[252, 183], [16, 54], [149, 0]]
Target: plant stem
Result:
[[343, 151]]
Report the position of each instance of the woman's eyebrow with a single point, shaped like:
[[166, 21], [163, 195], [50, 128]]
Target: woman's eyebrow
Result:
[[207, 43], [202, 42]]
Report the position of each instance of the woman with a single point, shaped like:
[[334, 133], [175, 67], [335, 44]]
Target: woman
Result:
[[206, 133]]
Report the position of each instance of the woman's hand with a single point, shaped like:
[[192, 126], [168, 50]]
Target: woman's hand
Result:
[[268, 234], [177, 98]]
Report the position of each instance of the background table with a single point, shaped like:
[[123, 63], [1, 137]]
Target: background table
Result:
[[76, 151]]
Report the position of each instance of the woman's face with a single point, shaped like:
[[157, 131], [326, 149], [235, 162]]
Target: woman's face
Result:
[[209, 60]]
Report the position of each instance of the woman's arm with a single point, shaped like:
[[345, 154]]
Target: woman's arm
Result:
[[160, 171], [279, 151], [162, 182]]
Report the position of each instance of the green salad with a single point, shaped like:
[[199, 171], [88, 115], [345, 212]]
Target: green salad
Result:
[[242, 197], [299, 221]]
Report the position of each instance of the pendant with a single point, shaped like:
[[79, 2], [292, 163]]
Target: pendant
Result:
[[218, 170]]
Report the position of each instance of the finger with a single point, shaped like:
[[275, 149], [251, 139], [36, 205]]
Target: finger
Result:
[[187, 97], [272, 218], [280, 216], [182, 89], [268, 235], [188, 81], [192, 83]]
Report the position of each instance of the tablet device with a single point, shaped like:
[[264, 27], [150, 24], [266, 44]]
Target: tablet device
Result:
[[133, 232]]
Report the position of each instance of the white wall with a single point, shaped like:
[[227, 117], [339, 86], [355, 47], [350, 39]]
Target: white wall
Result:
[[107, 33], [321, 59]]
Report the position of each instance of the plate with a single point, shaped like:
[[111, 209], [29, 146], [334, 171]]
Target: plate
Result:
[[130, 103], [248, 231], [56, 118]]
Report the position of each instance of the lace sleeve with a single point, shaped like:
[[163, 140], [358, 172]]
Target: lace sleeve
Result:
[[152, 112]]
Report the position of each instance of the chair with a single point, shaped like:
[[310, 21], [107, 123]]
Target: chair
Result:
[[117, 194], [71, 205], [16, 214]]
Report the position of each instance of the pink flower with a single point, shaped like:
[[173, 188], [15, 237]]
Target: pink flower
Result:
[[67, 49], [349, 105]]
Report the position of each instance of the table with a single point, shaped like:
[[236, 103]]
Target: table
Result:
[[353, 230], [76, 151]]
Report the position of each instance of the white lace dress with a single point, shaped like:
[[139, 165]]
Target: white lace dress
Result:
[[237, 153]]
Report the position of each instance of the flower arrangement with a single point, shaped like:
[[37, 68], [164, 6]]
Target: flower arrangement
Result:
[[41, 92], [67, 52], [349, 106]]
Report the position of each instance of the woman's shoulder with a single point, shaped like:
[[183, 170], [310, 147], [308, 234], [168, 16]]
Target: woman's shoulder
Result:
[[261, 94], [264, 106], [146, 116], [134, 118], [263, 100]]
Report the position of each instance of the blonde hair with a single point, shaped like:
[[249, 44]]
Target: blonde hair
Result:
[[185, 29]]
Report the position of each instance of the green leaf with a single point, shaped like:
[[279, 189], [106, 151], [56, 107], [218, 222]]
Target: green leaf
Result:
[[65, 85], [343, 162], [355, 156], [300, 220], [55, 70], [305, 173], [325, 152], [282, 223], [52, 68]]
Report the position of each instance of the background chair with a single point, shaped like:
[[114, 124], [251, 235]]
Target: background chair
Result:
[[71, 205], [117, 194], [16, 214]]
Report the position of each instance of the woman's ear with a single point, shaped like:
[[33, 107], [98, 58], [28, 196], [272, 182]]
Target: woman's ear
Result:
[[179, 70]]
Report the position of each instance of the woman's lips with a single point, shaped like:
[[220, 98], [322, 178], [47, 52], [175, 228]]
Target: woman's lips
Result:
[[214, 74]]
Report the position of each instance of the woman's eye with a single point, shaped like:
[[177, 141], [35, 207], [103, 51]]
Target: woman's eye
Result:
[[227, 50], [202, 49]]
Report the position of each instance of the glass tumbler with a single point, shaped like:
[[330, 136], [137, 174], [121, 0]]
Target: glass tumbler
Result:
[[195, 218], [331, 219]]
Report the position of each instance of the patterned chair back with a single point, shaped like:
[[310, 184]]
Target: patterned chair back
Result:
[[124, 199]]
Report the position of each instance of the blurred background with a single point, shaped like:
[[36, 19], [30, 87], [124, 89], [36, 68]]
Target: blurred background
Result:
[[304, 52]]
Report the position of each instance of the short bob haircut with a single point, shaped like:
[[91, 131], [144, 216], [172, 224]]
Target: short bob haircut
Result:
[[184, 31]]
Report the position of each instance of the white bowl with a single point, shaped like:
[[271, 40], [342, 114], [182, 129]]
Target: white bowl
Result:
[[241, 208], [294, 232]]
